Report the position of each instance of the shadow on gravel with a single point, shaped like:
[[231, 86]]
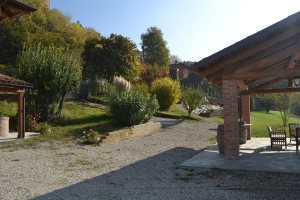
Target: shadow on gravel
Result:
[[146, 179]]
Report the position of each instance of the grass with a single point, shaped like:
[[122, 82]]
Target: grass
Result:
[[75, 119], [174, 111], [260, 119], [9, 109]]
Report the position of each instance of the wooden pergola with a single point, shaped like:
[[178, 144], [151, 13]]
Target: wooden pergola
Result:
[[273, 52], [10, 9], [13, 8]]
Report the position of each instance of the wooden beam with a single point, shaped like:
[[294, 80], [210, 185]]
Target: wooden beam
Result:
[[215, 76], [271, 91], [242, 85], [14, 90], [266, 84], [276, 57], [294, 58], [2, 2], [290, 82], [264, 74], [265, 52], [251, 50]]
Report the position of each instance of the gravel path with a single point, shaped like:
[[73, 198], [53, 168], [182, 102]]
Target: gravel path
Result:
[[139, 168]]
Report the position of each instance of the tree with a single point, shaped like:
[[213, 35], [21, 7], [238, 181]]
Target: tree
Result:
[[154, 47], [53, 71], [151, 73], [109, 57], [267, 100], [45, 26], [284, 103], [174, 58], [191, 98]]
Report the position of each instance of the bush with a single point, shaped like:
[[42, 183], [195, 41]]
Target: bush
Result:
[[191, 98], [131, 108], [141, 88], [32, 115], [44, 128], [94, 87], [167, 92]]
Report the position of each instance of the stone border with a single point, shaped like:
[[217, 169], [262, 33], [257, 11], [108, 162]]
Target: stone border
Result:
[[134, 131]]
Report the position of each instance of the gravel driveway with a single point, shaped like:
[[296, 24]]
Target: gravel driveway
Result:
[[139, 168]]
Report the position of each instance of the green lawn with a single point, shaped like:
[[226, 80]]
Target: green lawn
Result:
[[260, 119]]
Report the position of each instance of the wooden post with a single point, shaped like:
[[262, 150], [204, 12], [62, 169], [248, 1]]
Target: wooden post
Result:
[[231, 128], [20, 114], [246, 113]]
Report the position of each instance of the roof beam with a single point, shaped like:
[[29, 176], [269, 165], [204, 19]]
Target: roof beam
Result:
[[251, 50], [242, 85], [266, 52], [261, 86], [275, 57], [284, 90], [14, 90], [263, 74], [294, 58]]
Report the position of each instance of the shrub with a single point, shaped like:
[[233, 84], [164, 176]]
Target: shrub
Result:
[[141, 88], [131, 108], [191, 98], [44, 128], [167, 92], [94, 87]]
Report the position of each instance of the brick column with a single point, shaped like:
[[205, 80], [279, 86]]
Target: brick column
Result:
[[246, 113], [231, 129]]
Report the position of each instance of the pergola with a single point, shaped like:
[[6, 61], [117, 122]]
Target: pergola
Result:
[[10, 9], [13, 8], [273, 52]]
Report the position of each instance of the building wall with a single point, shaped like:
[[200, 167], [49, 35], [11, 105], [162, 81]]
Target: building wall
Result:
[[182, 69], [47, 3]]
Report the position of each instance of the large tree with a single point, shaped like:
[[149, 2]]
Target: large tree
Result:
[[154, 47], [53, 71], [109, 57], [45, 26]]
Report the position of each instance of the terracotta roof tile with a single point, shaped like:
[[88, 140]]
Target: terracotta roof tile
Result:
[[13, 82]]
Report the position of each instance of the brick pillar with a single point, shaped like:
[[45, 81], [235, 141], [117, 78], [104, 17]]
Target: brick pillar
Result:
[[231, 129], [246, 113]]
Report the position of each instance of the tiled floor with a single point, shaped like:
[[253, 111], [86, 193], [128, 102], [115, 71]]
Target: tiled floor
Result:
[[13, 136], [255, 155]]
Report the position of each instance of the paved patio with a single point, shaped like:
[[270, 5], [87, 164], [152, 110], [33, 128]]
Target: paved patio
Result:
[[13, 136], [255, 155]]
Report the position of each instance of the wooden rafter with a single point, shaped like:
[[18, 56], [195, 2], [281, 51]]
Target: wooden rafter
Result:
[[271, 91], [250, 51], [242, 85], [264, 74], [266, 52], [293, 60], [264, 85]]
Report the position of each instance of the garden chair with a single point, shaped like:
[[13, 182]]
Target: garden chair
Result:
[[292, 130], [277, 137]]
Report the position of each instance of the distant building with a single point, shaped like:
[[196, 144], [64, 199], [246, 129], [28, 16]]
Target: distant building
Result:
[[47, 3], [183, 68]]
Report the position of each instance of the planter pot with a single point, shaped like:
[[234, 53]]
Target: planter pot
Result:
[[220, 136], [4, 126], [93, 140]]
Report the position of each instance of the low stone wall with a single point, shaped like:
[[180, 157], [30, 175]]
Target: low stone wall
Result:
[[134, 131]]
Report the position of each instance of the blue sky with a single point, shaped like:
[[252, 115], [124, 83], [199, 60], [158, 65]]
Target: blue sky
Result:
[[193, 29]]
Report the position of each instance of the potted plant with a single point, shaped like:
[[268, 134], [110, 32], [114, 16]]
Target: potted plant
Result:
[[92, 137]]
